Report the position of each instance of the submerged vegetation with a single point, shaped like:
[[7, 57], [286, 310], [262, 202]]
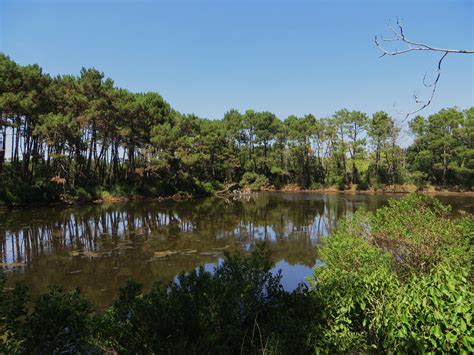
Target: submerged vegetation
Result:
[[79, 138], [396, 280]]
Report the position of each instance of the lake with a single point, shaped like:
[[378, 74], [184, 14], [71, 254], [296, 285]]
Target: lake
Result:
[[99, 247]]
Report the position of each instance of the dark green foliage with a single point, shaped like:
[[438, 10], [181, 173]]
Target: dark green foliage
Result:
[[363, 186], [12, 309], [69, 136], [443, 151], [253, 181], [58, 322], [240, 307]]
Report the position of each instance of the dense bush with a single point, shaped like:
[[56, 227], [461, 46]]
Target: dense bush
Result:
[[397, 280], [253, 181], [240, 307], [15, 191]]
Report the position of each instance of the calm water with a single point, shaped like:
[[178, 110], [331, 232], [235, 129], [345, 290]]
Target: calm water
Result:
[[98, 248]]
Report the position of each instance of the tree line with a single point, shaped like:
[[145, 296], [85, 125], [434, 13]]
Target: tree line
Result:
[[79, 134]]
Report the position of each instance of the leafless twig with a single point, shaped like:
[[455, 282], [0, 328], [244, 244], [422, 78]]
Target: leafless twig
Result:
[[412, 46]]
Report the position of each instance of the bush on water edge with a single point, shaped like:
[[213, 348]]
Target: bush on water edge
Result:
[[397, 280]]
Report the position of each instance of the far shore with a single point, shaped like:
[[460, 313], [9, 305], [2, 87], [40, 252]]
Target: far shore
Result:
[[386, 190], [329, 190], [383, 191]]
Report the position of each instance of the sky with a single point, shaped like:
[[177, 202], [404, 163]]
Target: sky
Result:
[[287, 57]]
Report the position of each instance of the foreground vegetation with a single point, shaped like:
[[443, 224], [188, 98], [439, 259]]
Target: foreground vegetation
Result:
[[78, 138], [397, 280]]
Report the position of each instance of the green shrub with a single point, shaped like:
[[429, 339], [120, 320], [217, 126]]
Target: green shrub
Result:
[[420, 233], [397, 281], [203, 311], [205, 188], [430, 313], [341, 186], [316, 186], [57, 322], [354, 276], [419, 179], [83, 196], [279, 176], [60, 323], [12, 309], [335, 180], [16, 191], [363, 185], [254, 181], [240, 307]]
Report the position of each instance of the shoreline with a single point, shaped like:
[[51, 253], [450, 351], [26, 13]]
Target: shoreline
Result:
[[380, 192], [179, 197], [182, 197], [387, 189], [117, 199]]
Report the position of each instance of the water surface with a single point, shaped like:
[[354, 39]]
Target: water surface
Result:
[[99, 247]]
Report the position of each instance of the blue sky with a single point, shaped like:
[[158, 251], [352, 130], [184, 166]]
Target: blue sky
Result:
[[288, 57]]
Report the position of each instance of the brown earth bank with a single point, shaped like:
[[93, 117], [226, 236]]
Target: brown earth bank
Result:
[[402, 189]]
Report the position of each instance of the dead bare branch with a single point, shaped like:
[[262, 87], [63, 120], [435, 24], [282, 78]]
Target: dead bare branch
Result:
[[412, 46]]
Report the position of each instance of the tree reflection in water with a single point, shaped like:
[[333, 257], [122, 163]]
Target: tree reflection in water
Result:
[[97, 248]]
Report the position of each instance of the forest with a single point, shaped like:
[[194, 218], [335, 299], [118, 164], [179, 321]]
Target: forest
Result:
[[79, 138]]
